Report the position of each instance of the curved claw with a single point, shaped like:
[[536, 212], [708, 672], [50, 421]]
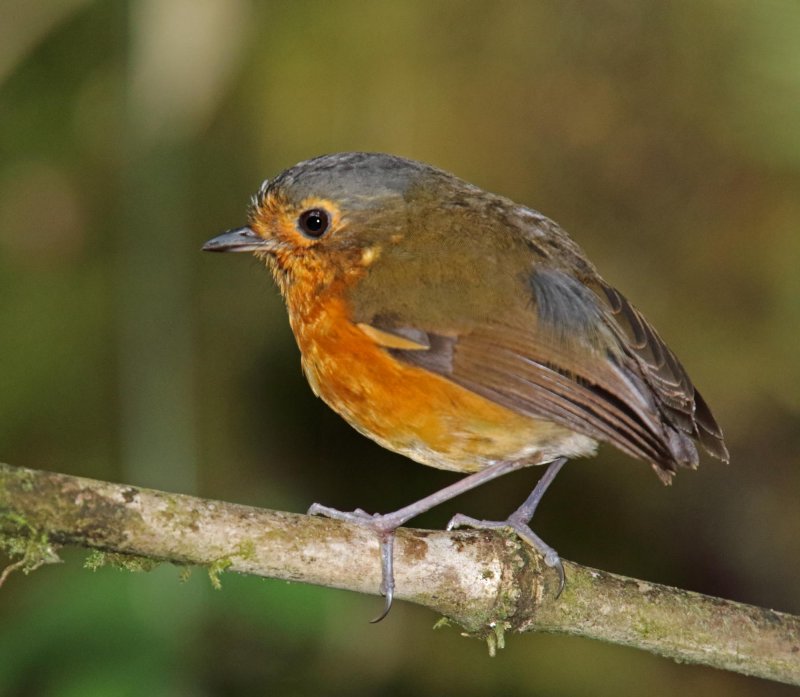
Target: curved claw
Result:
[[387, 605], [559, 569], [387, 573]]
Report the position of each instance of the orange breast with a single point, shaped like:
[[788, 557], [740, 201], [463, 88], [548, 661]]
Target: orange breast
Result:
[[406, 408]]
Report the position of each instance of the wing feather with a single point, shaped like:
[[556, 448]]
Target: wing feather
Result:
[[577, 353], [682, 405]]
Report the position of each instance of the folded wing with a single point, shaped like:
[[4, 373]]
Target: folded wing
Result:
[[580, 355]]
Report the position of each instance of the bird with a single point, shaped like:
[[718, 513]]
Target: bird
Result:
[[464, 331]]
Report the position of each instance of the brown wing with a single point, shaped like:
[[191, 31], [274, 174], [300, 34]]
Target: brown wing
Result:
[[581, 356]]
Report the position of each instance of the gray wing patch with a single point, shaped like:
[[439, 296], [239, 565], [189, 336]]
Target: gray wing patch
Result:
[[437, 359], [566, 307]]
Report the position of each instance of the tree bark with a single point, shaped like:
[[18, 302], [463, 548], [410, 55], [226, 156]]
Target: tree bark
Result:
[[488, 582]]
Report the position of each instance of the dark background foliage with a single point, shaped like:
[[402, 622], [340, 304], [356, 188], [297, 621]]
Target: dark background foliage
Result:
[[663, 135]]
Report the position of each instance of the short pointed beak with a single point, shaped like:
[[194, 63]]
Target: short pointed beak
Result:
[[242, 239]]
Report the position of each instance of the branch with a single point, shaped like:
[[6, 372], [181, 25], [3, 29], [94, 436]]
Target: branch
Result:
[[488, 583]]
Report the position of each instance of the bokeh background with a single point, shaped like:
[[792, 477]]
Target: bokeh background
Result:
[[663, 135]]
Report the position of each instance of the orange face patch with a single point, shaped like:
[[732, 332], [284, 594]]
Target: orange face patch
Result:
[[279, 219]]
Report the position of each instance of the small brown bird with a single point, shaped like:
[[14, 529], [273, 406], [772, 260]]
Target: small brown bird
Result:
[[464, 331]]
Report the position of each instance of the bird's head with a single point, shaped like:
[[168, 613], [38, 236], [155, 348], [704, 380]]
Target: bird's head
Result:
[[334, 214]]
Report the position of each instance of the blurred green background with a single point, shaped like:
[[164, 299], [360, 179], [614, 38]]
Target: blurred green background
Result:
[[663, 135]]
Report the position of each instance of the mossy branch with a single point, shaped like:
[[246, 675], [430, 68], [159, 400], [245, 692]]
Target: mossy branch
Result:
[[488, 583]]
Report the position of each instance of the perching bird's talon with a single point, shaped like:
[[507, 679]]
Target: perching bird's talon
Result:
[[551, 557], [386, 607], [387, 573], [385, 529], [387, 577], [522, 531], [562, 578]]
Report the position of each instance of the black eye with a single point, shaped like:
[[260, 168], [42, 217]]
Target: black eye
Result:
[[314, 222]]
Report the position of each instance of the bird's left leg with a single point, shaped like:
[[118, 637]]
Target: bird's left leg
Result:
[[519, 521]]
